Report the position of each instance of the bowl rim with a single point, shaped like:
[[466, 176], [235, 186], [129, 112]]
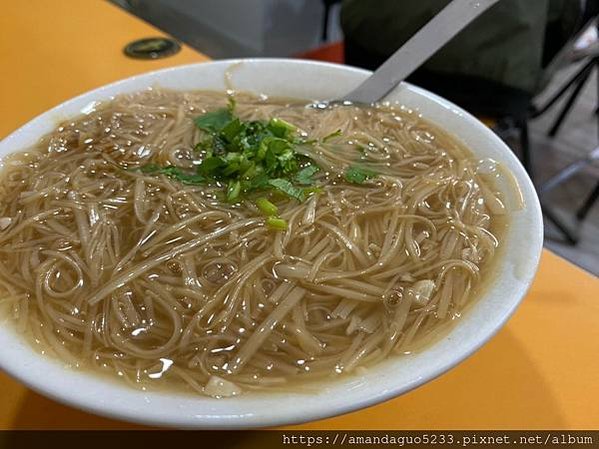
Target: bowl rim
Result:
[[64, 395]]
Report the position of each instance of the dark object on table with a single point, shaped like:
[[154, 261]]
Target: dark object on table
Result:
[[152, 48]]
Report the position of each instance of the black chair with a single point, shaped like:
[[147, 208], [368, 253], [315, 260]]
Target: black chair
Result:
[[573, 86], [328, 4], [509, 108], [506, 106]]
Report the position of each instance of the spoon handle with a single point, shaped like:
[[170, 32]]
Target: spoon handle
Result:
[[421, 46]]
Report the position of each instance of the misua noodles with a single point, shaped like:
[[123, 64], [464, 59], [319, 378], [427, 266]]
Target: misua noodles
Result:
[[162, 282]]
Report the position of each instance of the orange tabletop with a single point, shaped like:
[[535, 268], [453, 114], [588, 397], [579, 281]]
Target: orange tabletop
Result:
[[540, 372]]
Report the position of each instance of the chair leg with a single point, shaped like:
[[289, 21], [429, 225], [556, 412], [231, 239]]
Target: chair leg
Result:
[[582, 73], [588, 203], [569, 103], [325, 23], [570, 237], [567, 172], [563, 175], [596, 60]]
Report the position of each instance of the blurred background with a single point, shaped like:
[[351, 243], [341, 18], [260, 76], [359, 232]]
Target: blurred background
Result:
[[540, 95]]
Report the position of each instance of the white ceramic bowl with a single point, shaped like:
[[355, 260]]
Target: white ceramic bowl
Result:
[[313, 81]]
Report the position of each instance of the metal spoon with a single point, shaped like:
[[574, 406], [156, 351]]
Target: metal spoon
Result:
[[421, 46]]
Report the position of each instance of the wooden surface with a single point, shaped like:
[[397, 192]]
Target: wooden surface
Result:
[[540, 372]]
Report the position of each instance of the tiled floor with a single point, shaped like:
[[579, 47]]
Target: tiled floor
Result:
[[577, 137]]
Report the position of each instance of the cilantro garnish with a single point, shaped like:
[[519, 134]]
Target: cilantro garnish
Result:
[[174, 172], [304, 176], [358, 175], [286, 187], [251, 157], [214, 121], [247, 157]]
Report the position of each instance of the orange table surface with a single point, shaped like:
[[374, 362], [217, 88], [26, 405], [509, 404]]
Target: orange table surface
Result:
[[540, 372]]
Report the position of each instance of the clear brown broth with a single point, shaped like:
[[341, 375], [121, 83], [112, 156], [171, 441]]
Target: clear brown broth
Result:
[[78, 211]]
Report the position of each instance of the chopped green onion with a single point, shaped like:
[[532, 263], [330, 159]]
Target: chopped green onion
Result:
[[231, 103], [280, 127], [277, 224], [310, 190], [252, 158], [266, 207], [233, 191]]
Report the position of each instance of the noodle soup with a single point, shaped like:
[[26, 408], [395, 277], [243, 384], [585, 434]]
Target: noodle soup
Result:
[[222, 244]]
